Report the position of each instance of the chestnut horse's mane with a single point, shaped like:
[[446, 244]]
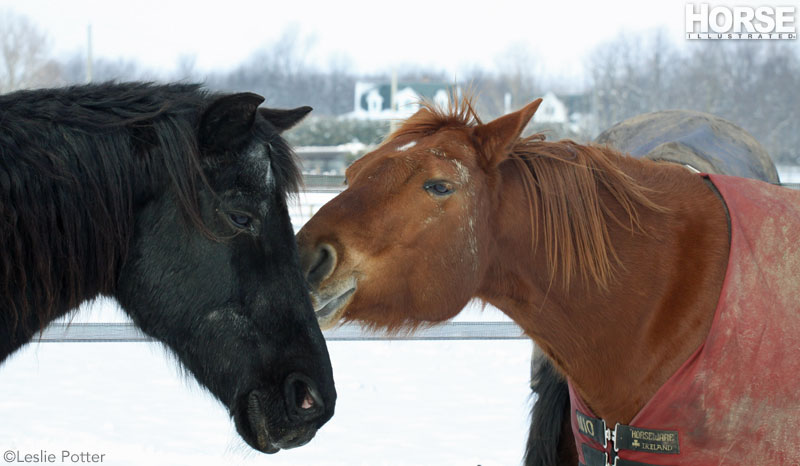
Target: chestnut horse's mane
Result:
[[563, 181]]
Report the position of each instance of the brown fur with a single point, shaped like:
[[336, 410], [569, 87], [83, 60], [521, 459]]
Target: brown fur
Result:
[[612, 265]]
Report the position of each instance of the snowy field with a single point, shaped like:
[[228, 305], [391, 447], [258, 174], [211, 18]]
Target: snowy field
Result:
[[400, 402]]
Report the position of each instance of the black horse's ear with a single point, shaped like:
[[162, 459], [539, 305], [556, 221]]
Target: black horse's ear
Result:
[[284, 119], [229, 119]]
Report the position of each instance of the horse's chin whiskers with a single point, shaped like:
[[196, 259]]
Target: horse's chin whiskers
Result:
[[257, 421], [328, 311]]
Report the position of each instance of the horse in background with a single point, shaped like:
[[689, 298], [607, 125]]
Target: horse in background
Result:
[[618, 268], [172, 200]]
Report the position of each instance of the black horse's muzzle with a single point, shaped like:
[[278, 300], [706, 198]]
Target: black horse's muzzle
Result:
[[269, 424]]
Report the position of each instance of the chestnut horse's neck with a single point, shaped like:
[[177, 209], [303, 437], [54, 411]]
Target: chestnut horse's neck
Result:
[[620, 342]]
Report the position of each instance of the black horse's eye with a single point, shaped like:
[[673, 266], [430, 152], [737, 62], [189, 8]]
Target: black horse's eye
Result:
[[240, 220], [439, 188]]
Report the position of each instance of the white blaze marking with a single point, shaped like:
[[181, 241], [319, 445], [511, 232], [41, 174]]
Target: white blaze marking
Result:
[[406, 146], [472, 240], [473, 243], [463, 172], [270, 177]]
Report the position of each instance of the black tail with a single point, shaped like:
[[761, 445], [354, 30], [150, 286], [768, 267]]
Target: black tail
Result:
[[550, 441]]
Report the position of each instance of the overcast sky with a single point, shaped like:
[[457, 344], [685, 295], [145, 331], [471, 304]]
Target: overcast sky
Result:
[[374, 35]]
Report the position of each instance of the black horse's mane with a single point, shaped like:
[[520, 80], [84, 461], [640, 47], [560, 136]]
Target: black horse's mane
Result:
[[74, 162]]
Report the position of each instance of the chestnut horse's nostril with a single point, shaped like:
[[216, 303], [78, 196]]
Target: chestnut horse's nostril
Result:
[[322, 264], [303, 401]]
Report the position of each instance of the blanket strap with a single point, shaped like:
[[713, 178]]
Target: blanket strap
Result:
[[622, 438]]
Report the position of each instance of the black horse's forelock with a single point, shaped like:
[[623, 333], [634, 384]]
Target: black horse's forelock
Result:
[[68, 178]]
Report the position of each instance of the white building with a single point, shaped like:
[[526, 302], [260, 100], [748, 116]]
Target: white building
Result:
[[374, 100], [552, 110], [572, 111]]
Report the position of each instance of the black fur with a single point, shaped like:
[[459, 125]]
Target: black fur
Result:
[[132, 191], [550, 440]]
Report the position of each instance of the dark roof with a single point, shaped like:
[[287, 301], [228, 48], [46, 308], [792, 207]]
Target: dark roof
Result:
[[424, 90]]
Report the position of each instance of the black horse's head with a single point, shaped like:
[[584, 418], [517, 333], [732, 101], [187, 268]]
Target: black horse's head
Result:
[[224, 290]]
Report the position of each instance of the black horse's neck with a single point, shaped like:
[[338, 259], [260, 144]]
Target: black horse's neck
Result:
[[75, 165]]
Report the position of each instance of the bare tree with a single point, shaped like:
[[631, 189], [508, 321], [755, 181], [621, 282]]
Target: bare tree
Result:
[[73, 70], [24, 55], [630, 75], [283, 73], [186, 70], [516, 75], [517, 69], [755, 84]]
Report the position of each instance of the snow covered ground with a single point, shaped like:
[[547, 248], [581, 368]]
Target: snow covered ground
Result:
[[400, 402]]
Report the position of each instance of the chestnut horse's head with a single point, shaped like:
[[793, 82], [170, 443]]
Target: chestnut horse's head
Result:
[[407, 241]]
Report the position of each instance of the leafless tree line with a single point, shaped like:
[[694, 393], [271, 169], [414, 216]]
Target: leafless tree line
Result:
[[755, 84], [24, 60]]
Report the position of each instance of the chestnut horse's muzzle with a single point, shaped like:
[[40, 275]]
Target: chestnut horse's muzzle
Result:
[[318, 263], [329, 299]]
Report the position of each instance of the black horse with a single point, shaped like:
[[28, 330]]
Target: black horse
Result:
[[172, 200], [698, 140]]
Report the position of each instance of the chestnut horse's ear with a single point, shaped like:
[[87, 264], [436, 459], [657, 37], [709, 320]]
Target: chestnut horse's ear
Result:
[[497, 136], [227, 121], [284, 119]]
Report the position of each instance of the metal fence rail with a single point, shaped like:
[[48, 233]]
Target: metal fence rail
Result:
[[335, 184], [323, 183], [126, 332]]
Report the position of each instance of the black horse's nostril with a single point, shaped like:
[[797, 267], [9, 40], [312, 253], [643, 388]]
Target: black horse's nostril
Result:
[[322, 264], [303, 401]]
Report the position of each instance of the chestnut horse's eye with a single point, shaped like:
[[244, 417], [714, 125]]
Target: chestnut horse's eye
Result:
[[240, 220], [439, 188]]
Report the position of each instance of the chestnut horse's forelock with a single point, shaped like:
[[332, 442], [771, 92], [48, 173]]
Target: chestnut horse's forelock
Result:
[[459, 113], [563, 182]]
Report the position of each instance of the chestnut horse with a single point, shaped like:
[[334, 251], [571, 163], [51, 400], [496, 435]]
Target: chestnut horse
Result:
[[701, 141], [618, 268]]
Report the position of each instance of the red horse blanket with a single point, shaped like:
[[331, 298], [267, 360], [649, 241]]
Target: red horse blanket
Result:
[[736, 400]]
